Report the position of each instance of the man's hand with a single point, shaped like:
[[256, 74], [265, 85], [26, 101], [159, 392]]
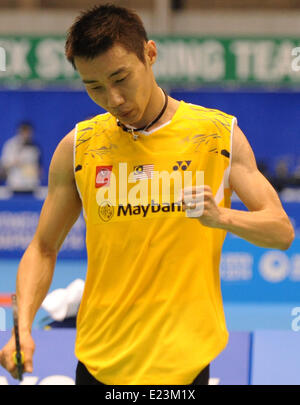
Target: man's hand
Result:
[[199, 202], [7, 354]]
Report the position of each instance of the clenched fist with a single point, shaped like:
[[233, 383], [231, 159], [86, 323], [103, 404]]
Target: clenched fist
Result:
[[199, 202], [7, 353]]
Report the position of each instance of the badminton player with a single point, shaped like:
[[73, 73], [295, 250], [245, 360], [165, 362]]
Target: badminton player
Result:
[[152, 310]]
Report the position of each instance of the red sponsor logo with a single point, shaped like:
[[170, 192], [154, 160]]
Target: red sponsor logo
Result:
[[103, 176]]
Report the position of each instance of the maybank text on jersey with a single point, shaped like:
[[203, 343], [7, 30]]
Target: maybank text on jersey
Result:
[[144, 210], [121, 188]]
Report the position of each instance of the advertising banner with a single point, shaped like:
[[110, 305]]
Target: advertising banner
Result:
[[275, 359], [248, 273], [182, 60], [18, 221], [251, 273], [232, 366]]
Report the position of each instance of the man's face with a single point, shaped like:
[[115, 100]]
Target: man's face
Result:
[[26, 133], [119, 82]]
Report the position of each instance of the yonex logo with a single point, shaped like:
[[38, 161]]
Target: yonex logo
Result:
[[182, 164]]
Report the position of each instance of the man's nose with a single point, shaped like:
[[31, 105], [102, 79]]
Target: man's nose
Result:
[[114, 98]]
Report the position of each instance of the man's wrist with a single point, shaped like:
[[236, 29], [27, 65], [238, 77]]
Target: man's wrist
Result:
[[224, 218], [22, 331]]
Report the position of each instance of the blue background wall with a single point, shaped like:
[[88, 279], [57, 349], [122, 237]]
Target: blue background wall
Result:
[[270, 120]]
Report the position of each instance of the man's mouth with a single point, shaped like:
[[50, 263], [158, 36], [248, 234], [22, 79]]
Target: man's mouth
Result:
[[124, 114]]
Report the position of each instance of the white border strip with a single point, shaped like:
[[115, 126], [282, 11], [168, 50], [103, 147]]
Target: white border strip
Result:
[[74, 158], [227, 172], [225, 181], [154, 130], [74, 147]]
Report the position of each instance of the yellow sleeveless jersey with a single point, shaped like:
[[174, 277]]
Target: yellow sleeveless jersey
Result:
[[151, 311]]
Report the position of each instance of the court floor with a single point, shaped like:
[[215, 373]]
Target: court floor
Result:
[[239, 316]]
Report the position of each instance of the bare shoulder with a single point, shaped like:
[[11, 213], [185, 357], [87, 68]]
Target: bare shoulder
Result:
[[242, 153], [61, 167], [254, 190], [62, 205], [243, 164], [68, 140], [64, 153]]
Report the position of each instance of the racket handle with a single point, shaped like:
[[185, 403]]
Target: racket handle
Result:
[[16, 359]]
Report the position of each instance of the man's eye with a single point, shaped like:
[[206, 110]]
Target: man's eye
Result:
[[121, 80], [97, 88]]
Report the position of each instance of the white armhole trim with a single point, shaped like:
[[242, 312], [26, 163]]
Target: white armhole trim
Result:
[[225, 182], [74, 157], [227, 171]]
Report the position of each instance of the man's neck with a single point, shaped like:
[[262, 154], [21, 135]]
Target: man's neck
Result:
[[153, 109], [168, 114], [158, 100]]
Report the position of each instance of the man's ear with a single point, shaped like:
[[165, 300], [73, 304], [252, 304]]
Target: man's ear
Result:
[[150, 52]]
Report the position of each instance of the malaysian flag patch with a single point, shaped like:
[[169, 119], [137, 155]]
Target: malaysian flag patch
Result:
[[143, 172]]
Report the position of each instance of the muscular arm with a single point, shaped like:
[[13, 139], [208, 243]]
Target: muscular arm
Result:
[[60, 211], [266, 223]]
